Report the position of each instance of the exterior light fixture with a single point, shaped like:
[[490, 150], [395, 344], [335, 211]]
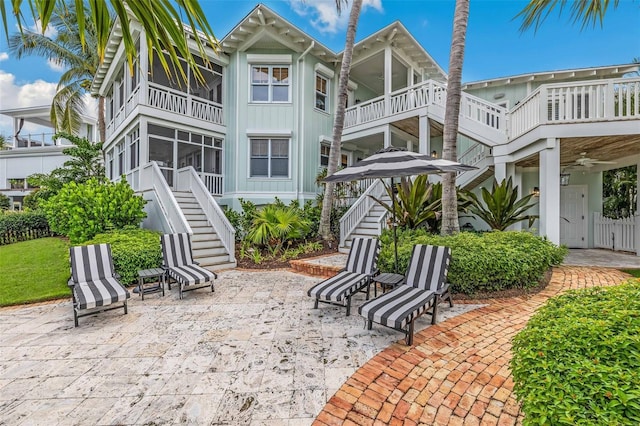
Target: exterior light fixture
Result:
[[535, 191], [564, 179], [434, 153]]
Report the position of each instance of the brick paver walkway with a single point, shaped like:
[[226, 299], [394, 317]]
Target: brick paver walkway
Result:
[[458, 371]]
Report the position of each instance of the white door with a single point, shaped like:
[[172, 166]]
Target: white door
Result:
[[573, 216]]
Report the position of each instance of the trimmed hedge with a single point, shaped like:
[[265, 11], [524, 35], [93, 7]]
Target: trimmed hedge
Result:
[[132, 250], [578, 359], [23, 226], [486, 261]]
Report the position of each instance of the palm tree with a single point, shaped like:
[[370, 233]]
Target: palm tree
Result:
[[587, 11], [450, 223], [65, 49], [161, 21], [338, 124]]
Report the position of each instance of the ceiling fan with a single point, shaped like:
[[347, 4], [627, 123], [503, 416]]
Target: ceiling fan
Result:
[[585, 161]]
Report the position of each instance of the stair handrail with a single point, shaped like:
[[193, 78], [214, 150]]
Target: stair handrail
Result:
[[188, 179], [358, 210], [151, 178]]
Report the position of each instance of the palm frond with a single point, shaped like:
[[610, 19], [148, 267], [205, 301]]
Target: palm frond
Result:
[[588, 12]]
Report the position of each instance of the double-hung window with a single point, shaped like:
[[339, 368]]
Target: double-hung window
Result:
[[270, 83], [325, 152], [269, 158], [322, 93]]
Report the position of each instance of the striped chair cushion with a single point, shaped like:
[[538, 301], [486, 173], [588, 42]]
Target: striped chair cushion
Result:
[[363, 255], [91, 262], [191, 274], [97, 293], [398, 307], [338, 288], [428, 267], [176, 249]]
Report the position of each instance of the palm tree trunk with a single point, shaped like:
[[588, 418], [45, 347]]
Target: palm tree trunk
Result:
[[338, 124], [450, 223]]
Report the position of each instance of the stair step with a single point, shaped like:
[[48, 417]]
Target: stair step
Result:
[[191, 210], [209, 252], [198, 223], [220, 265], [205, 261], [195, 217], [202, 230], [368, 225], [365, 233], [204, 236], [214, 242]]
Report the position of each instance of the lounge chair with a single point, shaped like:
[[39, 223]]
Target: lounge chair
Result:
[[94, 283], [360, 269], [423, 288], [179, 264]]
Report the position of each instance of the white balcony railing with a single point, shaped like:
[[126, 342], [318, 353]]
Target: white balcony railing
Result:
[[33, 140], [213, 182], [183, 104]]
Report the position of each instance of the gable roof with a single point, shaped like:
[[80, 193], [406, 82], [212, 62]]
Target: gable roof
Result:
[[551, 76]]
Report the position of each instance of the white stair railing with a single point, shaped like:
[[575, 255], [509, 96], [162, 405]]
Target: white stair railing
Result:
[[188, 180], [151, 178], [352, 218]]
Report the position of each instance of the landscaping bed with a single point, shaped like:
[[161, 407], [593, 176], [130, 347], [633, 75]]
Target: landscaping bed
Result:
[[245, 261]]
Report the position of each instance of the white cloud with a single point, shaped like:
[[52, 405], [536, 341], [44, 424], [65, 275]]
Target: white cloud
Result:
[[37, 28], [324, 16], [4, 56], [13, 95], [55, 65]]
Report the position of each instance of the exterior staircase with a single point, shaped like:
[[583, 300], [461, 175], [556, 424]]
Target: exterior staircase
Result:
[[370, 226], [207, 247]]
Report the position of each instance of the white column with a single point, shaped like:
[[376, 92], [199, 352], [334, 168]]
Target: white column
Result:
[[409, 146], [387, 136], [550, 191], [388, 75], [500, 169], [424, 135]]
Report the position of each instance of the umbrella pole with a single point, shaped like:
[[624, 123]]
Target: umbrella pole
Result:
[[395, 232]]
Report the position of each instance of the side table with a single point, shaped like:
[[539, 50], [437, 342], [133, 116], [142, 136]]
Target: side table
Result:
[[153, 287], [387, 281]]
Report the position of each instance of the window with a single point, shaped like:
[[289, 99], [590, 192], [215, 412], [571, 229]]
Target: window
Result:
[[322, 93], [120, 150], [325, 151], [344, 159], [134, 149], [110, 164], [270, 83], [269, 158]]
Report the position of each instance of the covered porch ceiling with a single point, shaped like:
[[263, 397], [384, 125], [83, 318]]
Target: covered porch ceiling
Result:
[[619, 149]]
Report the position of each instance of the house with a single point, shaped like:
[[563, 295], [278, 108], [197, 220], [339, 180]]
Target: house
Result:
[[32, 149], [261, 127]]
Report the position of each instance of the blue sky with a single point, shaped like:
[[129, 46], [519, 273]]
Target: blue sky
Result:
[[495, 46]]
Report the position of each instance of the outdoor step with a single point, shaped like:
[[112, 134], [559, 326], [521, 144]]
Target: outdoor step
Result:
[[191, 210], [204, 236], [193, 205], [368, 225], [371, 219], [220, 266], [206, 261], [195, 217], [209, 252], [206, 244], [365, 232], [198, 223], [199, 230]]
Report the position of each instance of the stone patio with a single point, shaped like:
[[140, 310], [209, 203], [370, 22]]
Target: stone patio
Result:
[[254, 352]]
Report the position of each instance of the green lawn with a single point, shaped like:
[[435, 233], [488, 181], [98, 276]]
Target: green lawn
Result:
[[633, 272], [33, 271]]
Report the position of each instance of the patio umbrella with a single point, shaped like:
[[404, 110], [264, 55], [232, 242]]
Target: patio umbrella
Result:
[[396, 162]]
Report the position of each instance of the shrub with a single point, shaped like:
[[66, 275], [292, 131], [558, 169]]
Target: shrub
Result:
[[22, 226], [274, 225], [81, 211], [486, 261], [578, 359], [5, 202], [132, 249]]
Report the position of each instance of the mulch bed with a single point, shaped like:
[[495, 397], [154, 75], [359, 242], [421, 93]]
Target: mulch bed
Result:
[[268, 263]]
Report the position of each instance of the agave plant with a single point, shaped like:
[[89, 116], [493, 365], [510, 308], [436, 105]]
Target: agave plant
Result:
[[274, 225], [416, 203], [501, 207]]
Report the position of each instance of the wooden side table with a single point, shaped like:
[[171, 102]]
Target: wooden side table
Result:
[[387, 281], [152, 287]]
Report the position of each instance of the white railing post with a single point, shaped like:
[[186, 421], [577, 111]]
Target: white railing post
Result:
[[544, 104], [610, 101]]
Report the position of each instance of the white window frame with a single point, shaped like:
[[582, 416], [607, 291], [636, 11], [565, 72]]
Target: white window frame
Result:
[[328, 156], [270, 85], [269, 139], [327, 95]]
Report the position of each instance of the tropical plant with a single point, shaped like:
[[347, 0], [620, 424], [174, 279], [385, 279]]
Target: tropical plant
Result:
[[450, 223], [338, 125], [3, 142], [5, 202], [415, 204], [619, 192], [66, 49], [82, 210], [85, 163], [501, 207], [273, 225], [587, 11], [162, 22]]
